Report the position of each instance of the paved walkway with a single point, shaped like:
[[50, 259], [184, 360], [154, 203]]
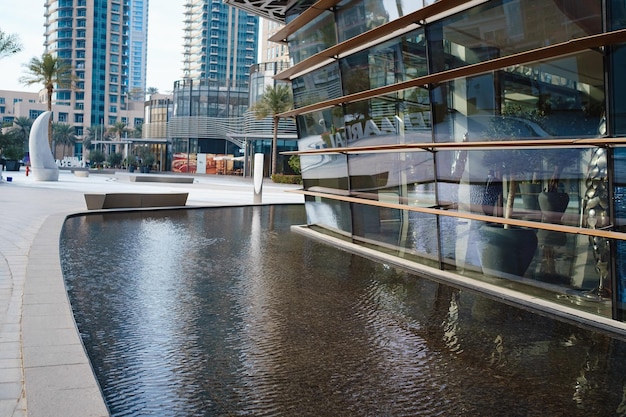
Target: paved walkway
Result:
[[44, 370]]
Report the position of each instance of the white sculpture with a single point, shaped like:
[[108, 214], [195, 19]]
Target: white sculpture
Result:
[[41, 159]]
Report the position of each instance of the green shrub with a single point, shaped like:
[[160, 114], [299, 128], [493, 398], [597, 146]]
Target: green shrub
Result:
[[115, 159], [294, 163], [287, 179], [96, 157]]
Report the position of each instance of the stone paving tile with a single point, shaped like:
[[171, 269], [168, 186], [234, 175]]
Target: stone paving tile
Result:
[[10, 350], [9, 375], [62, 388], [11, 391], [71, 354]]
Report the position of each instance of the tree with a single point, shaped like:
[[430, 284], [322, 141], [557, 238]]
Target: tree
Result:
[[9, 44], [11, 145], [21, 127], [137, 132], [115, 159], [275, 100], [96, 157], [63, 134], [50, 71], [118, 130], [93, 133]]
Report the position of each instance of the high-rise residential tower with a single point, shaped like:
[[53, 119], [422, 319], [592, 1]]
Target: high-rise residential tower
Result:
[[220, 42], [106, 44], [210, 102]]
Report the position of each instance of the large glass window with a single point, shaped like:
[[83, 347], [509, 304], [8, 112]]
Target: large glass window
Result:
[[402, 117], [319, 85], [563, 97], [316, 36], [617, 85], [501, 28], [399, 60], [536, 190], [357, 16]]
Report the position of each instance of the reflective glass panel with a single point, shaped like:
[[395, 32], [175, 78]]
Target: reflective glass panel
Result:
[[560, 97], [331, 215], [403, 117], [619, 207], [357, 16], [617, 14], [315, 86], [543, 185], [314, 37], [557, 266], [398, 60], [501, 28], [323, 172], [617, 59]]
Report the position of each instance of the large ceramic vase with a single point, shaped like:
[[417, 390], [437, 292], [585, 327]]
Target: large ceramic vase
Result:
[[506, 253], [553, 204]]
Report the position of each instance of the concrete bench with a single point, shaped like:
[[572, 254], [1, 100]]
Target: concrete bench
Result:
[[161, 178], [134, 200]]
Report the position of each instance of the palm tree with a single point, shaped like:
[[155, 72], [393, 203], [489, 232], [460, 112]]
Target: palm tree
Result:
[[137, 132], [63, 134], [21, 131], [50, 71], [9, 44], [21, 127], [93, 133], [118, 129], [274, 101]]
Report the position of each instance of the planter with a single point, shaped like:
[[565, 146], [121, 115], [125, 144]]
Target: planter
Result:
[[552, 259], [506, 253], [491, 198], [553, 204], [12, 165], [131, 168], [145, 170], [530, 193]]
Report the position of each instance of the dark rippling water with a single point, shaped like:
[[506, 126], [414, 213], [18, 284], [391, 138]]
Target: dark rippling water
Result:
[[225, 312]]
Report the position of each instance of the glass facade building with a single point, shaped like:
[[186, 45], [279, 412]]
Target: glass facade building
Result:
[[220, 42], [105, 42], [480, 142], [220, 46], [211, 119]]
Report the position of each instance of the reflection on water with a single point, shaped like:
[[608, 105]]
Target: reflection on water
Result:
[[225, 311]]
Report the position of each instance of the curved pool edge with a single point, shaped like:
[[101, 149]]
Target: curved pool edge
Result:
[[58, 377]]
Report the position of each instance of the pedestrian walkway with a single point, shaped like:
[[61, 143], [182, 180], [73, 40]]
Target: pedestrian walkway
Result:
[[44, 370]]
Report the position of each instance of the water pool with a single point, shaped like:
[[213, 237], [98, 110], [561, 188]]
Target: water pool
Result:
[[225, 311]]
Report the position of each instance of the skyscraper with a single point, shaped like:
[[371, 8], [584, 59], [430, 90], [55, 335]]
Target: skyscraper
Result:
[[220, 42], [220, 47], [105, 42]]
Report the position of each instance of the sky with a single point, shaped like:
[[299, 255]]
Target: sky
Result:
[[25, 18]]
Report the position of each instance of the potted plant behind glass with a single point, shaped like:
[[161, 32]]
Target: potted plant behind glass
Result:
[[508, 250], [530, 189], [554, 199]]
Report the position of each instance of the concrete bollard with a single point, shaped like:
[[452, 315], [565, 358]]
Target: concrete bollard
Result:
[[258, 178]]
